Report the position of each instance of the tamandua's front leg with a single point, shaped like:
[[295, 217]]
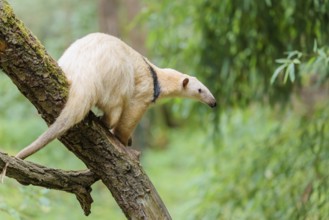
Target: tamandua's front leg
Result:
[[111, 118], [128, 122]]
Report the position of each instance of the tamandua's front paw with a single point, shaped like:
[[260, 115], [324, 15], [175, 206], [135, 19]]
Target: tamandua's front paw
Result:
[[130, 142], [124, 142]]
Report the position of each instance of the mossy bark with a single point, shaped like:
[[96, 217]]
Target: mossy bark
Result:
[[39, 78]]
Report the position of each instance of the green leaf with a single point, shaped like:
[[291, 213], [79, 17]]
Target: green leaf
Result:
[[322, 54], [282, 60], [277, 72], [291, 69], [296, 53], [286, 74], [311, 60], [296, 61], [315, 46], [268, 2]]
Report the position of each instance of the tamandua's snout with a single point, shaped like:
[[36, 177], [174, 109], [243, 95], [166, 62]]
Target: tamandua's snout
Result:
[[208, 98], [213, 104]]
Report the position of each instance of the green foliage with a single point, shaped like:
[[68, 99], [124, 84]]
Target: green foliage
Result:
[[288, 65], [315, 64], [268, 165], [272, 170]]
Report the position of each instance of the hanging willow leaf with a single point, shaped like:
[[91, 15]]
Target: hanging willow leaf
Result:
[[277, 72], [291, 70]]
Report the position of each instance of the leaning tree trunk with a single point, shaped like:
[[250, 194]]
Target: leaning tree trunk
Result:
[[38, 77]]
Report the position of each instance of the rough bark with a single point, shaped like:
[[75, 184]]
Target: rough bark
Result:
[[38, 77]]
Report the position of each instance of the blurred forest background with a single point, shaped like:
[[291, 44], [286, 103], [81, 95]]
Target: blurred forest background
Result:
[[262, 154]]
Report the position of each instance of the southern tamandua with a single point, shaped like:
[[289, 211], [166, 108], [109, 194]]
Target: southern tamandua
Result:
[[105, 72]]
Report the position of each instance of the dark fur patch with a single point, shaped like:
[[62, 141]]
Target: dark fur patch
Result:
[[156, 85]]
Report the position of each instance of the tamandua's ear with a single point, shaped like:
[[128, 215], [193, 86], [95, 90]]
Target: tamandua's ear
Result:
[[185, 82]]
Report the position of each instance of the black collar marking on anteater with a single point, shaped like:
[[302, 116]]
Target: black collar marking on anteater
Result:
[[156, 85]]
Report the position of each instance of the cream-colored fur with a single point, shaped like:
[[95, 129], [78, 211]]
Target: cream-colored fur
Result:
[[105, 72]]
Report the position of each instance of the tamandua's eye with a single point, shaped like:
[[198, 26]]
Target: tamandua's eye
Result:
[[200, 90]]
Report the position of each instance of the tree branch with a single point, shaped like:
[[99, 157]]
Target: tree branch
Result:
[[39, 78], [76, 182]]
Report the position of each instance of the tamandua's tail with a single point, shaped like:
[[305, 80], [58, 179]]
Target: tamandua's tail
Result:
[[74, 111]]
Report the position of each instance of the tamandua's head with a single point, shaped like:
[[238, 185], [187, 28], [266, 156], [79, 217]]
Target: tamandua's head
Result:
[[193, 88], [175, 83]]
